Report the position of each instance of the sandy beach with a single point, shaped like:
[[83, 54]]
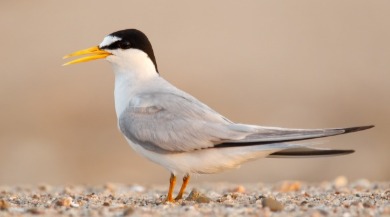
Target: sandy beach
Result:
[[288, 198]]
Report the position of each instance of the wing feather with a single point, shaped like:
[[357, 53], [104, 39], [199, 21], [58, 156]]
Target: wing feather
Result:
[[171, 122]]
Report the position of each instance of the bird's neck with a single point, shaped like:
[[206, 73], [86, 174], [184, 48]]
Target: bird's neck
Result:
[[129, 78]]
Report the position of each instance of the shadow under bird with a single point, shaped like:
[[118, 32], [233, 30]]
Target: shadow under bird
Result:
[[172, 128]]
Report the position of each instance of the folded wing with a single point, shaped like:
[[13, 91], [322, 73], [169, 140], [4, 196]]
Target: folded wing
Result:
[[176, 122]]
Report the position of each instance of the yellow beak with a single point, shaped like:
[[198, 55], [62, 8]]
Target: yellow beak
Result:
[[95, 53]]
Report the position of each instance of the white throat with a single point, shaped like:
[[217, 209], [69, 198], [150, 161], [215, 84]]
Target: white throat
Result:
[[133, 69]]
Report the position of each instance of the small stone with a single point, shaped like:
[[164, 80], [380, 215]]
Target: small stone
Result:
[[272, 204], [386, 194], [4, 205], [340, 181], [66, 202], [195, 195], [290, 186], [317, 214], [238, 189], [106, 204], [128, 211], [110, 187], [367, 204], [75, 205], [137, 188], [347, 203], [44, 187], [92, 196], [336, 202], [35, 211], [203, 199]]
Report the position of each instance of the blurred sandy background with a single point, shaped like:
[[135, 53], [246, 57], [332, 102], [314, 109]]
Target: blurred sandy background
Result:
[[301, 64]]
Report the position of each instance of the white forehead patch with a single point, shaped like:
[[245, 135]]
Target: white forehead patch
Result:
[[109, 40]]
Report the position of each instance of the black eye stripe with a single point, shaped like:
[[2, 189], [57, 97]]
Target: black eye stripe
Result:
[[122, 44]]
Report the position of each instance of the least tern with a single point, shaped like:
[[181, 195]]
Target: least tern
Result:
[[172, 128]]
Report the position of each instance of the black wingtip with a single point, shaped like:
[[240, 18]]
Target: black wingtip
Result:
[[356, 129]]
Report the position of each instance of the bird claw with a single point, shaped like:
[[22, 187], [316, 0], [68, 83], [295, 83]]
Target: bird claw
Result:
[[173, 200], [179, 197], [169, 200]]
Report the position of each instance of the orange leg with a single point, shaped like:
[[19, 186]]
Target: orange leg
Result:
[[172, 183], [186, 179]]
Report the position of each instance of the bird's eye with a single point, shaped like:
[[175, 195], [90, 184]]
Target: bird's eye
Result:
[[124, 44]]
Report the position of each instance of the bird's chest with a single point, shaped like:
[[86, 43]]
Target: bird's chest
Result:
[[133, 103], [122, 97], [131, 92], [125, 93]]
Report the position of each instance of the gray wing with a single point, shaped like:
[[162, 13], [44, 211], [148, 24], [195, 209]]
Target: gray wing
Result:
[[173, 122], [176, 122]]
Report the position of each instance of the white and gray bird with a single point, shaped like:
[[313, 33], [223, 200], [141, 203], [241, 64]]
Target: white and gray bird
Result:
[[172, 128]]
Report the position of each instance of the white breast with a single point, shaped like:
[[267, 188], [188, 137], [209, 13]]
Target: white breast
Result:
[[207, 161]]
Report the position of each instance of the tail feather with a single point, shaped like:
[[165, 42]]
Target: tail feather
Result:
[[281, 135], [308, 152]]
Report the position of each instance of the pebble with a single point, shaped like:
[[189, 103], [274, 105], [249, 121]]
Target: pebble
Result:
[[336, 202], [340, 181], [273, 204], [290, 186], [66, 202], [137, 188], [238, 189], [44, 187], [195, 195], [110, 187], [35, 211], [318, 213], [367, 204], [4, 205], [129, 211], [386, 194]]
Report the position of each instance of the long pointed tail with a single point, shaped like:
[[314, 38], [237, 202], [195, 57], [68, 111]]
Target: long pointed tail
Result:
[[303, 152], [281, 135]]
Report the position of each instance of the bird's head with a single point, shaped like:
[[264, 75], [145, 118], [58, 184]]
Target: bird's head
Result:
[[126, 50]]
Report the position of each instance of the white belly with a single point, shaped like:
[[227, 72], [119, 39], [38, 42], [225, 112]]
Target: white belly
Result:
[[206, 161]]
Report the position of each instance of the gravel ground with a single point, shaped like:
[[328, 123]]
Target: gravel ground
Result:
[[289, 198]]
